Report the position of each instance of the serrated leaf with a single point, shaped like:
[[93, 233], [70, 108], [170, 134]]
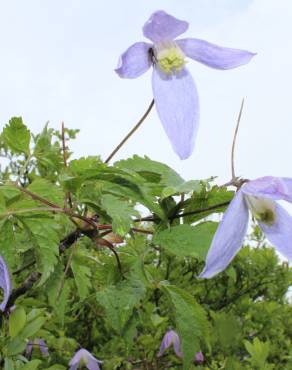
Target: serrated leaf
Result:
[[17, 320], [52, 287], [8, 243], [186, 240], [206, 199], [185, 187], [47, 190], [119, 302], [191, 322], [82, 276], [16, 136], [121, 213], [44, 236]]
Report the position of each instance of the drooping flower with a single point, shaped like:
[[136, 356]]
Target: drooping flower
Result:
[[84, 358], [174, 90], [171, 338], [40, 343], [258, 196], [5, 283]]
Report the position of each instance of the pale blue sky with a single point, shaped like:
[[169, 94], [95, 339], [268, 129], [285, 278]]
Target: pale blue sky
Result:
[[58, 58]]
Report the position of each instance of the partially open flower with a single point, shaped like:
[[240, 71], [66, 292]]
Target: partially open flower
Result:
[[84, 358], [259, 197], [38, 343]]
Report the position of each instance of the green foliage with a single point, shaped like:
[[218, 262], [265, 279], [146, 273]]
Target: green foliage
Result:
[[116, 289]]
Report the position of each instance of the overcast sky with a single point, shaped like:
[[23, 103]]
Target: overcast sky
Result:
[[58, 58]]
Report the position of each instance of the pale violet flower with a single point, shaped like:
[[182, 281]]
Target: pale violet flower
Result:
[[84, 358], [40, 343], [171, 338], [174, 90], [259, 197], [5, 283]]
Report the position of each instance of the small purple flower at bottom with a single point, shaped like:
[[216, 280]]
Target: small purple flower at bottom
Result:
[[259, 197], [172, 338], [84, 358], [5, 283], [40, 343], [174, 90]]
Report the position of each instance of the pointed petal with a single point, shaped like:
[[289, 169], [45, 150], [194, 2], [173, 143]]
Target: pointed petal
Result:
[[43, 347], [228, 238], [212, 55], [177, 105], [93, 364], [5, 283], [162, 26], [280, 233], [270, 187], [134, 61]]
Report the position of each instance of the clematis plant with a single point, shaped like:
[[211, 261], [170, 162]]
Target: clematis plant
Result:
[[84, 358], [172, 338], [5, 283], [174, 90], [257, 196]]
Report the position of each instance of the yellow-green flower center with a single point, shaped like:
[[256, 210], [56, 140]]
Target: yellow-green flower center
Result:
[[263, 209], [170, 57]]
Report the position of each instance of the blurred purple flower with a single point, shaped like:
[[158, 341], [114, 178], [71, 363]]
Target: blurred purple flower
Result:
[[172, 338], [40, 343], [84, 358], [174, 90], [199, 358], [257, 196], [5, 283]]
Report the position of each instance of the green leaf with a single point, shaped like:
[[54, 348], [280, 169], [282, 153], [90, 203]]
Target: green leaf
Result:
[[259, 352], [31, 365], [82, 275], [47, 190], [119, 302], [206, 199], [121, 213], [16, 136], [185, 187], [46, 243], [8, 364], [17, 320], [187, 241], [191, 321], [157, 175]]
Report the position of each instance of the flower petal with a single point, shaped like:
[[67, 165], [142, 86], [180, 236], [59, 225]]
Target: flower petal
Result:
[[134, 61], [5, 283], [162, 26], [213, 55], [177, 105], [93, 364], [270, 187], [228, 238], [280, 233]]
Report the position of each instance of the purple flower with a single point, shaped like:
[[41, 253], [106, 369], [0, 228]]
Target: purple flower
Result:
[[84, 358], [199, 358], [5, 283], [174, 90], [40, 343], [257, 196], [171, 338]]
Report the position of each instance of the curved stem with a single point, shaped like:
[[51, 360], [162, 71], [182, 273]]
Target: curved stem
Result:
[[135, 128], [234, 141]]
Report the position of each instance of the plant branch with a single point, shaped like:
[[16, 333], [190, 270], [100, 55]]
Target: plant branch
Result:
[[135, 128]]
